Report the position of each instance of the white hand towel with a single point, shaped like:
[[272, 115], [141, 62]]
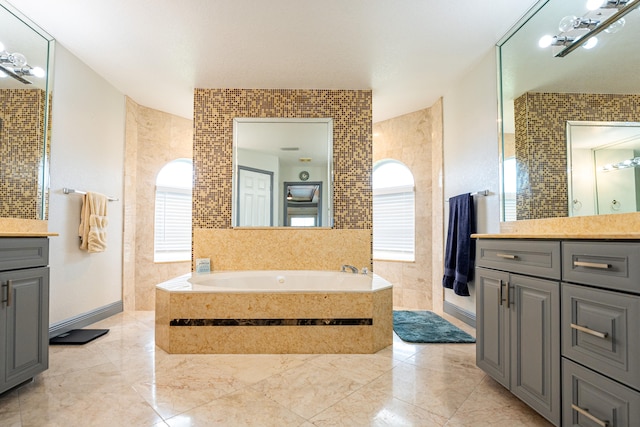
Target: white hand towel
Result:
[[93, 222]]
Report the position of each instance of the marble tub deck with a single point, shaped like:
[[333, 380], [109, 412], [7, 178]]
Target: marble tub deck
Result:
[[273, 323]]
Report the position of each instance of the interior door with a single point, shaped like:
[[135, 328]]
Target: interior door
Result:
[[255, 195]]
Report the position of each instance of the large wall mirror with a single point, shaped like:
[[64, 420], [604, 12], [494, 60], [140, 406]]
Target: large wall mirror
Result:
[[26, 56], [568, 69], [282, 172]]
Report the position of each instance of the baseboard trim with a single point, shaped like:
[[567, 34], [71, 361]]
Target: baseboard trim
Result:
[[460, 313], [85, 319]]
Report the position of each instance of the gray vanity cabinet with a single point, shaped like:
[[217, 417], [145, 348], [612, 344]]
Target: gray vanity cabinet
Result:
[[24, 309], [518, 320], [601, 333]]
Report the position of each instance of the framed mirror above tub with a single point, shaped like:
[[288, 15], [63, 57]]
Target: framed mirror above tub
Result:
[[566, 61], [272, 159], [26, 59]]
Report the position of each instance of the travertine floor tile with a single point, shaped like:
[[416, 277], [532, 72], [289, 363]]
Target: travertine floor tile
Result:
[[243, 408], [123, 379]]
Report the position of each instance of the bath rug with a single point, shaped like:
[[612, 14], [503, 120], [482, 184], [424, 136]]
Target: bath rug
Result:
[[77, 336], [427, 327]]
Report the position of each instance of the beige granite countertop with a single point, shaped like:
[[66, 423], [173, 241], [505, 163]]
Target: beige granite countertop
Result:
[[559, 236], [27, 234]]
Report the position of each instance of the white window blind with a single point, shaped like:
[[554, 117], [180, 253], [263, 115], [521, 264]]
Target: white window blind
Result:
[[394, 223], [172, 224]]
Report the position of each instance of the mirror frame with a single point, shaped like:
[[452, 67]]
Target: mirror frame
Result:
[[329, 177], [43, 172]]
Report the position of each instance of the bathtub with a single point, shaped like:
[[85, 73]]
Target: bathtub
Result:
[[274, 312]]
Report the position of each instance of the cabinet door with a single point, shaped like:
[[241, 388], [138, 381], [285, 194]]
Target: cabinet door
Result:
[[535, 344], [492, 327], [25, 310]]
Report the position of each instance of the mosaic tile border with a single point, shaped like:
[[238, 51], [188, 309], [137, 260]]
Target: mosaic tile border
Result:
[[540, 141], [272, 322], [21, 151], [214, 111]]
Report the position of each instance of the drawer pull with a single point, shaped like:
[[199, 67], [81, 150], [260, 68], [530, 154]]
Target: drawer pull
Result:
[[598, 334], [506, 256], [8, 286], [586, 413], [591, 265]]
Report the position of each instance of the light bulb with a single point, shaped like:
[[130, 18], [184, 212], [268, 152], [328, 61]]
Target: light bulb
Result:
[[37, 72], [18, 59], [591, 43], [545, 41], [615, 27], [568, 23], [2, 74], [1, 47], [594, 4]]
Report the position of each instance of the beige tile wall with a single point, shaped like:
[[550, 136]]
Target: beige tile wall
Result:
[[214, 111], [153, 138], [416, 140]]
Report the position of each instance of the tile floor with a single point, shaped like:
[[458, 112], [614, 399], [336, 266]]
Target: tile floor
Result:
[[122, 379]]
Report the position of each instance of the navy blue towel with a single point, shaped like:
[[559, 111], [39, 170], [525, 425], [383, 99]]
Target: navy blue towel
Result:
[[460, 251]]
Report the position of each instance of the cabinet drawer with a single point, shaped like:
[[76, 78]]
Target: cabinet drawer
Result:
[[613, 265], [600, 330], [590, 399], [23, 252], [537, 258]]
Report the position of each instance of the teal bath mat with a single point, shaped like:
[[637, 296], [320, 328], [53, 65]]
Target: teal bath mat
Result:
[[427, 327]]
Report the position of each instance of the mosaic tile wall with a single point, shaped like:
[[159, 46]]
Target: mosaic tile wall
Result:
[[214, 111], [21, 143], [541, 150]]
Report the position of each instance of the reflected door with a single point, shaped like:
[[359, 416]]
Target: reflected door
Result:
[[255, 195]]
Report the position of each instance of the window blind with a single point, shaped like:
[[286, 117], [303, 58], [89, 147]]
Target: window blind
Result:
[[394, 224], [172, 220]]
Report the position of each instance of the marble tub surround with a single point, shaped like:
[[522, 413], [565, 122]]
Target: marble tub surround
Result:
[[190, 319], [283, 248], [615, 226], [121, 379]]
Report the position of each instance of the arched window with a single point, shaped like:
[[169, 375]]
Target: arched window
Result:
[[393, 211], [172, 228]]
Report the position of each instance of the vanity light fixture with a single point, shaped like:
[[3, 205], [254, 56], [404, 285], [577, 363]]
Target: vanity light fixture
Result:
[[629, 163], [581, 31], [15, 65]]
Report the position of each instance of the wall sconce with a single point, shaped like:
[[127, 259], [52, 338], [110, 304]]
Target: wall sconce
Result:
[[581, 31], [15, 65], [289, 196]]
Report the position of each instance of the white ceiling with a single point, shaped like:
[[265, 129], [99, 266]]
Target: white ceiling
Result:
[[407, 52]]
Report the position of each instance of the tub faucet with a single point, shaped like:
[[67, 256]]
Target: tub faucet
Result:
[[350, 267]]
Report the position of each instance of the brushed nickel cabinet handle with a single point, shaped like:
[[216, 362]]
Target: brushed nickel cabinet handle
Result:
[[589, 331], [591, 265], [507, 295], [586, 413], [506, 256], [9, 287]]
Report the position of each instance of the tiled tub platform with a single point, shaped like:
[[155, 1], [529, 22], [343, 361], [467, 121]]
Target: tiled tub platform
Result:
[[296, 312]]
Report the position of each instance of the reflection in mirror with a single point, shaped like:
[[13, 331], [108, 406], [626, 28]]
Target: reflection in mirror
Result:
[[275, 159], [26, 54], [604, 167], [540, 92], [303, 204]]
